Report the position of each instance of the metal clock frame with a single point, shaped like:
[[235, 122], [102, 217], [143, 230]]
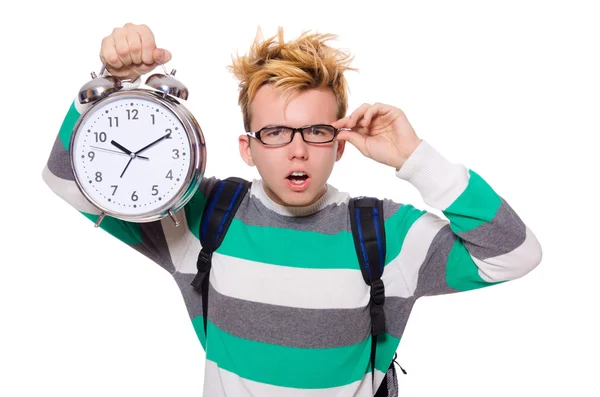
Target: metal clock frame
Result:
[[197, 156]]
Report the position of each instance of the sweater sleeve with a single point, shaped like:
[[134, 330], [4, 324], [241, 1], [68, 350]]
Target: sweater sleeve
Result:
[[481, 243], [169, 246]]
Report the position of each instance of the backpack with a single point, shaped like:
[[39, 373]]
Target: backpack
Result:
[[366, 217]]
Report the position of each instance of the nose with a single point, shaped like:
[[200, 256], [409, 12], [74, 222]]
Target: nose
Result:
[[297, 148]]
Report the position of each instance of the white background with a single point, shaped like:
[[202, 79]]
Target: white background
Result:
[[508, 88]]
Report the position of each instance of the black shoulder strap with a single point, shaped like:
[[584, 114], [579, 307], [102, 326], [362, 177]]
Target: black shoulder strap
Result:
[[221, 206], [366, 219]]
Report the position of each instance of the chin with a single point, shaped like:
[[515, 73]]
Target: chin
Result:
[[297, 199]]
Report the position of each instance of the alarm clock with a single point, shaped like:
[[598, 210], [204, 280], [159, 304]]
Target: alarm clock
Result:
[[137, 154]]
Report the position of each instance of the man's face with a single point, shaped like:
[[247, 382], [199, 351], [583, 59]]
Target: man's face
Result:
[[276, 164]]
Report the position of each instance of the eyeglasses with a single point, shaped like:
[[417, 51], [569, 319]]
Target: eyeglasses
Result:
[[279, 135]]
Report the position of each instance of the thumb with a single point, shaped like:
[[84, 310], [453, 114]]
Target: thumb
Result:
[[161, 55], [356, 139]]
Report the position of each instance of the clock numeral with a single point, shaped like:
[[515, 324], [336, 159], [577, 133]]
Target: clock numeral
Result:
[[133, 112], [176, 155], [168, 130], [91, 155], [115, 188], [169, 175], [100, 137], [152, 118], [154, 190], [98, 176], [134, 196], [110, 121]]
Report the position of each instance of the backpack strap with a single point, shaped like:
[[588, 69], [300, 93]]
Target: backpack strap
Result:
[[366, 219], [221, 206]]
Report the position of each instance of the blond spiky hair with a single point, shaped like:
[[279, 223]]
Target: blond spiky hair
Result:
[[304, 63]]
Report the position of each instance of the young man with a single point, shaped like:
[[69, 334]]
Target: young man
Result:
[[288, 309]]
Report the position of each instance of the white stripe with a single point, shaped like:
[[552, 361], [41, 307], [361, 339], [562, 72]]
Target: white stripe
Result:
[[221, 383], [513, 264], [81, 108], [68, 191], [184, 247], [288, 286], [414, 249]]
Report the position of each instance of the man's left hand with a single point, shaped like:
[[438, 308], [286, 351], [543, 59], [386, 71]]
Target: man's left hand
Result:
[[380, 132]]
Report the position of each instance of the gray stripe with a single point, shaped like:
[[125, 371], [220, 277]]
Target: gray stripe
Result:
[[389, 208], [288, 326], [501, 235], [432, 275], [397, 311], [154, 245], [332, 219], [191, 297], [59, 161]]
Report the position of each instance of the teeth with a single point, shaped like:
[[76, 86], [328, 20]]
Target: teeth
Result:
[[297, 181], [298, 173]]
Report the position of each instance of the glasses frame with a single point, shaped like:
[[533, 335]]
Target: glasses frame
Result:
[[256, 134]]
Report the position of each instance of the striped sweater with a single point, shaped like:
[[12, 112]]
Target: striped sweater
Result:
[[290, 322]]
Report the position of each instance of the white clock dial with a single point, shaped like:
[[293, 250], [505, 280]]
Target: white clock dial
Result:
[[131, 155]]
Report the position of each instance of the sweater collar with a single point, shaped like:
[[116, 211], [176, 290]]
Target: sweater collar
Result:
[[331, 196]]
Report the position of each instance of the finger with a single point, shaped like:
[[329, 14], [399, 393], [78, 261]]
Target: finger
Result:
[[341, 123], [120, 38], [356, 139], [108, 53], [134, 43], [148, 44], [161, 55], [358, 114], [374, 111]]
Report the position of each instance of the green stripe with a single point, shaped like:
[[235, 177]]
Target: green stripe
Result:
[[461, 271], [397, 227], [477, 205], [198, 324], [319, 251], [66, 129], [127, 232], [386, 347], [282, 246], [295, 367]]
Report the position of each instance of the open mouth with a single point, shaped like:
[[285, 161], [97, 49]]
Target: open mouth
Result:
[[297, 177]]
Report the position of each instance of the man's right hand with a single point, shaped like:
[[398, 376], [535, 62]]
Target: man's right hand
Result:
[[131, 51]]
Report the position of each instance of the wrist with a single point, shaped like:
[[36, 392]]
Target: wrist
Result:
[[411, 149]]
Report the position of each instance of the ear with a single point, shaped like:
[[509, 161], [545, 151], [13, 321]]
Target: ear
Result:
[[245, 152], [341, 145]]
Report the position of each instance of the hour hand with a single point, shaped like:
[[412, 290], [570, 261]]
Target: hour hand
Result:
[[123, 148]]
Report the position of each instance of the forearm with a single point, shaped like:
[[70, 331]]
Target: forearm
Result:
[[499, 243]]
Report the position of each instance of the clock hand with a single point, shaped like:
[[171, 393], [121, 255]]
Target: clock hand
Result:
[[114, 151], [134, 155], [123, 148], [152, 144], [129, 162]]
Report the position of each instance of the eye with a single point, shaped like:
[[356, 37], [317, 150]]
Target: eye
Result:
[[320, 130], [272, 132]]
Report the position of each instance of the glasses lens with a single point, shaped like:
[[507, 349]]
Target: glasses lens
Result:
[[275, 135], [319, 133]]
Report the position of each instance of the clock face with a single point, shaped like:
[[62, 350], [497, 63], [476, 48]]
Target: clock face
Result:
[[131, 155]]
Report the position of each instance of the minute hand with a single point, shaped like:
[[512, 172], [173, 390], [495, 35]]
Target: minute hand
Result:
[[152, 144]]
